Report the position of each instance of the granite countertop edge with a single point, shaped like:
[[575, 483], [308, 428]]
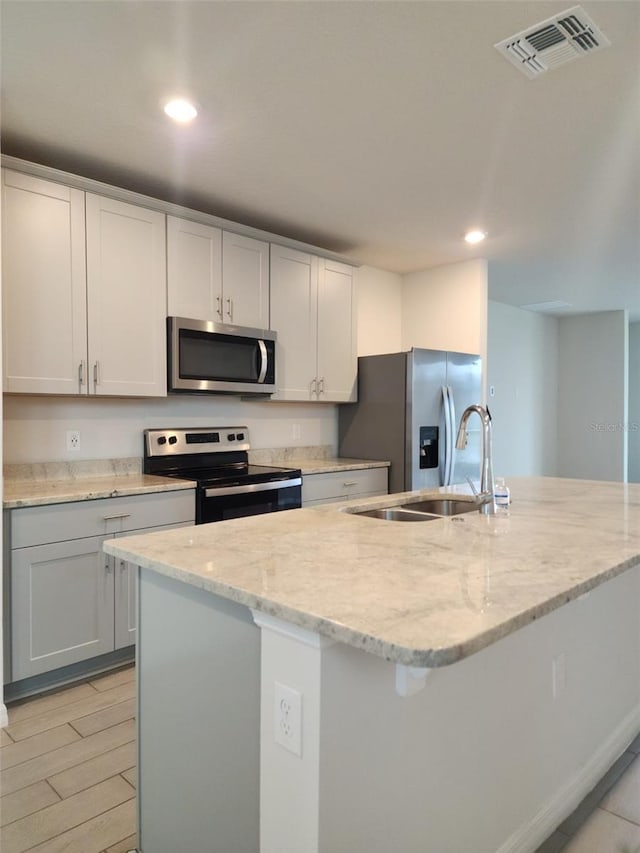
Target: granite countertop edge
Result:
[[542, 554], [22, 494], [406, 655]]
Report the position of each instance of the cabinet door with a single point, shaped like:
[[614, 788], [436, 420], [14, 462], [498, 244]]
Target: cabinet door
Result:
[[194, 270], [245, 281], [126, 292], [294, 288], [61, 605], [44, 286], [337, 355], [126, 592]]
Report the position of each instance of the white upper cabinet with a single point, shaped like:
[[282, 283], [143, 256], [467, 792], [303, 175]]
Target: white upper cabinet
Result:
[[294, 294], [126, 298], [194, 270], [84, 292], [216, 275], [44, 286], [337, 354], [245, 281], [312, 311]]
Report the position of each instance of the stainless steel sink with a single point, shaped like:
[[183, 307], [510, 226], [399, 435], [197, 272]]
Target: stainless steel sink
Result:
[[396, 513], [442, 506]]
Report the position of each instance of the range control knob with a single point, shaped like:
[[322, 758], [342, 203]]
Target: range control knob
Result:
[[240, 436], [231, 437], [162, 440], [172, 439]]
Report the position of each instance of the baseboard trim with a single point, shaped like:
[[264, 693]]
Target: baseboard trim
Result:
[[527, 838]]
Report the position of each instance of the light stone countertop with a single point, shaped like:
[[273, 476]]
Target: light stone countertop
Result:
[[43, 483], [311, 460], [329, 466], [423, 594]]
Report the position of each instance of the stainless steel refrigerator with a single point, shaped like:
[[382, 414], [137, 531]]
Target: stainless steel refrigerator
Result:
[[408, 411]]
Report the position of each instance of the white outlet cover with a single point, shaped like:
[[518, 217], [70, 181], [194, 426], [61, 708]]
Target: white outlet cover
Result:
[[73, 439], [287, 718]]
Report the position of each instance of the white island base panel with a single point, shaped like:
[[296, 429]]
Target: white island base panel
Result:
[[489, 756]]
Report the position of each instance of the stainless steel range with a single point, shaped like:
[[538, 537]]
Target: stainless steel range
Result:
[[217, 458]]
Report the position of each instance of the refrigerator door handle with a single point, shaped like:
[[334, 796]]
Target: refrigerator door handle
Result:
[[451, 445], [447, 435]]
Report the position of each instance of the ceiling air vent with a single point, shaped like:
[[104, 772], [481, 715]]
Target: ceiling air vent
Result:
[[553, 42]]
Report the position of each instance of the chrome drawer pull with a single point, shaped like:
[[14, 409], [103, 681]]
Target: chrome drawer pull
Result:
[[350, 483], [114, 517]]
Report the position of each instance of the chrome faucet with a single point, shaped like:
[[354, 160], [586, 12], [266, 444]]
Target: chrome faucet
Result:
[[485, 496]]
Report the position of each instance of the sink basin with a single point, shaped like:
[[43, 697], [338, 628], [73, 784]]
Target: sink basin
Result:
[[397, 514], [442, 506]]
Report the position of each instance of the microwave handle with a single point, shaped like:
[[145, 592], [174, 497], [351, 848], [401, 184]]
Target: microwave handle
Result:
[[264, 361]]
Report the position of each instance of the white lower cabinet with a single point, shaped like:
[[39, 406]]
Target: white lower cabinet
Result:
[[69, 600], [342, 485]]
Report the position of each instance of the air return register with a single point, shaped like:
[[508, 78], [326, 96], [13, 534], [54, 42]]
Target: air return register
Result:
[[556, 41]]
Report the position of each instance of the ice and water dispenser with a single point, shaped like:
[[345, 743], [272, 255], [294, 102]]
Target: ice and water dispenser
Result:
[[428, 446]]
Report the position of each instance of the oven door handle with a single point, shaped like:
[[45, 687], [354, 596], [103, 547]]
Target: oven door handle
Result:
[[253, 487], [264, 362]]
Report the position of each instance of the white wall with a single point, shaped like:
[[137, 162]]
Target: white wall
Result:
[[522, 366], [35, 427], [592, 396], [634, 403], [446, 308], [379, 311]]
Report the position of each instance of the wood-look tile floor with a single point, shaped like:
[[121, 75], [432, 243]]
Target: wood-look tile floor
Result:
[[67, 779], [67, 770]]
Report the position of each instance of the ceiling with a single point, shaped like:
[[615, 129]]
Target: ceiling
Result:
[[379, 130]]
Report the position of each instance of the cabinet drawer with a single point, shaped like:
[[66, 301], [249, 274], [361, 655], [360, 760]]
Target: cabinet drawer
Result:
[[39, 525], [343, 484]]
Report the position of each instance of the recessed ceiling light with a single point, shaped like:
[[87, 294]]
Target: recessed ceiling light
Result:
[[475, 236], [180, 110]]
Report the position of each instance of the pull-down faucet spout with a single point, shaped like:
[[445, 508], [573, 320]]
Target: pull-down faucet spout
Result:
[[486, 495]]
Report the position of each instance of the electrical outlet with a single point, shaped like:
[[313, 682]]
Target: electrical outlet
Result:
[[73, 439], [287, 718]]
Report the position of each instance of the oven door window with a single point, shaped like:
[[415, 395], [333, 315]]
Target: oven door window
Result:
[[250, 503]]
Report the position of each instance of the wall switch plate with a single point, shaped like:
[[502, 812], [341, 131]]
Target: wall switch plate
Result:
[[287, 719], [73, 439]]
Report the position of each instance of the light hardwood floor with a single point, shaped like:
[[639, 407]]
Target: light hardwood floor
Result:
[[67, 770]]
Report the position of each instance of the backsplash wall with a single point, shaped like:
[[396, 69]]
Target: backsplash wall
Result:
[[35, 427]]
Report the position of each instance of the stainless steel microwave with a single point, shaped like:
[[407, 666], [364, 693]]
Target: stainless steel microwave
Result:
[[216, 358]]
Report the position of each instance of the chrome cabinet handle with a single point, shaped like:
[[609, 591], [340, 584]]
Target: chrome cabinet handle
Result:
[[123, 565], [107, 566], [219, 306], [313, 386], [230, 308], [96, 374], [321, 385], [80, 375], [113, 517]]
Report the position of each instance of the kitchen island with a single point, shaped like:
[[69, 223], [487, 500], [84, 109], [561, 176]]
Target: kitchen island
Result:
[[321, 681]]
